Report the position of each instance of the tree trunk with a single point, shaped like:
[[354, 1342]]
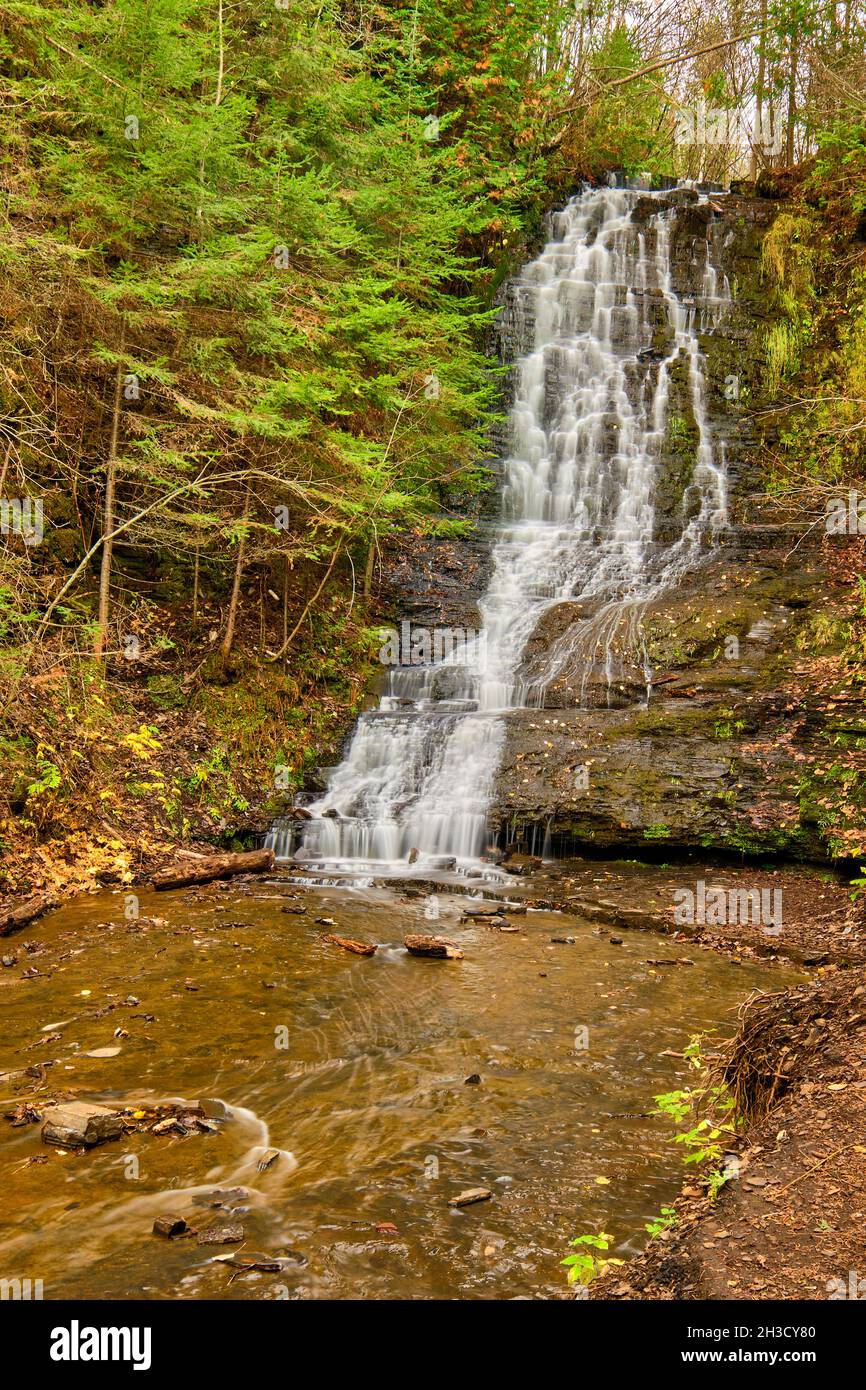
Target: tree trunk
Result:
[[759, 141], [221, 64], [195, 585], [5, 468], [792, 100], [108, 513], [368, 572], [286, 615], [236, 587]]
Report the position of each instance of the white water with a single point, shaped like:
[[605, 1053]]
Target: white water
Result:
[[579, 523]]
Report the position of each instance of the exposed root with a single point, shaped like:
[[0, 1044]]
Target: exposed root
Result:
[[778, 1035]]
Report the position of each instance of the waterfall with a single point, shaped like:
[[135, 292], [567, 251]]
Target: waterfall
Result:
[[605, 335]]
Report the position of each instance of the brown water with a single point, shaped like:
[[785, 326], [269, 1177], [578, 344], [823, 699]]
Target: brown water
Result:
[[368, 1101]]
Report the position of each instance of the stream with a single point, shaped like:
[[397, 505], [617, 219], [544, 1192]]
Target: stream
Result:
[[365, 1094]]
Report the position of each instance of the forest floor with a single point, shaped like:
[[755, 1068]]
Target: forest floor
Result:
[[106, 773]]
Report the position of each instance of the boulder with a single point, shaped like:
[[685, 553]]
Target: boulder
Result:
[[78, 1123], [438, 947]]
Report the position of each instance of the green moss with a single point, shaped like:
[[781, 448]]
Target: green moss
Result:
[[166, 692]]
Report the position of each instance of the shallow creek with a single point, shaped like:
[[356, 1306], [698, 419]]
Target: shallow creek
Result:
[[367, 1100]]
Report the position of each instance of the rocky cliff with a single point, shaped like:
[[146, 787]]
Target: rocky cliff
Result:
[[726, 751]]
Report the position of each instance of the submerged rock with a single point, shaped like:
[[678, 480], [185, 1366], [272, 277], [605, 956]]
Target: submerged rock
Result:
[[221, 1235]]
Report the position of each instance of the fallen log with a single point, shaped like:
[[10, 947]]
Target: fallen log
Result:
[[256, 861], [358, 948], [13, 918]]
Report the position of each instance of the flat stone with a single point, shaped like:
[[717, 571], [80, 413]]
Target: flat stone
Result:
[[79, 1123], [470, 1196], [221, 1235]]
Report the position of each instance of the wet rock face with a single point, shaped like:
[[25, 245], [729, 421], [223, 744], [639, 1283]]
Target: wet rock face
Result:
[[708, 763], [562, 666], [653, 782], [437, 583]]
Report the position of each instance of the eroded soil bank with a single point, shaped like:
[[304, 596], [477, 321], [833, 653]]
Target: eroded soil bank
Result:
[[790, 1225], [332, 1106]]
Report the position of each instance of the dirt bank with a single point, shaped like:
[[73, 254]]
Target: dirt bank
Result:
[[790, 1225]]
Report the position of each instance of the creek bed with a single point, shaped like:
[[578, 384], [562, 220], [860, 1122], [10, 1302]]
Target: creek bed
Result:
[[355, 1070]]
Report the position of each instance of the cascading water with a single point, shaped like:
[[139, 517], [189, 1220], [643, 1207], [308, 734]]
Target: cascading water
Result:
[[605, 330]]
